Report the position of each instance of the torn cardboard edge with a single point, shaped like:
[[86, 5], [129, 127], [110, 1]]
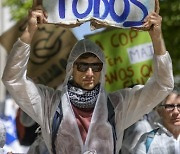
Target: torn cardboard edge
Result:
[[97, 24]]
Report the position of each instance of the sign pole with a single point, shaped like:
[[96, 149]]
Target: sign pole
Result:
[[37, 2]]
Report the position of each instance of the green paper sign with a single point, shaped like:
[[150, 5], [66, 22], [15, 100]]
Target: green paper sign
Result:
[[128, 56]]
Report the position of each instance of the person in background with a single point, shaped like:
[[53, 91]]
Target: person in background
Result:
[[32, 134], [165, 138], [134, 132], [85, 127]]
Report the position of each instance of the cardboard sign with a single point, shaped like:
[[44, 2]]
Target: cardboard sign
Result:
[[12, 34], [117, 13], [49, 51], [128, 57]]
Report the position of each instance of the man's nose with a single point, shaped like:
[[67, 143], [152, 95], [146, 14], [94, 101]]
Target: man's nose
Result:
[[89, 71]]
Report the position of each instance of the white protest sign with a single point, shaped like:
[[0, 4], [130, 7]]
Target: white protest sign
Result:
[[116, 13]]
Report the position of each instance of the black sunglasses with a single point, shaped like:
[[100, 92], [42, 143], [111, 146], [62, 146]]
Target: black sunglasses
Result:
[[171, 107], [83, 67]]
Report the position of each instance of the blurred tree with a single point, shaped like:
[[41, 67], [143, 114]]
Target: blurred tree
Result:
[[18, 8], [169, 10]]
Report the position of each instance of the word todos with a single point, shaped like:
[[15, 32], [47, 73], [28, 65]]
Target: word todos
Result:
[[101, 9]]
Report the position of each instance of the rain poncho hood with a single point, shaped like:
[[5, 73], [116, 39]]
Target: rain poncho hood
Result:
[[80, 48]]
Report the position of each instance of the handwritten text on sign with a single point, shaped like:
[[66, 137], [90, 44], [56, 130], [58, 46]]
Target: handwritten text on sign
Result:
[[118, 13], [128, 56]]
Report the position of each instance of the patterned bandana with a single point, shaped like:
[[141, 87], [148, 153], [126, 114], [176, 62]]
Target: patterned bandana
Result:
[[83, 98]]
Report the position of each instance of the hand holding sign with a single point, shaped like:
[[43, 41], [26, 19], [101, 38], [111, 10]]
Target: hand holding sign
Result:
[[153, 21], [36, 16]]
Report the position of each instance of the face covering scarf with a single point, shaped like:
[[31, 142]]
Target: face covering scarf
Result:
[[81, 98]]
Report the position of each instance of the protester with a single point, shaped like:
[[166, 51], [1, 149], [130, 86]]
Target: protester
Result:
[[164, 139], [25, 128], [133, 133], [29, 134], [83, 110]]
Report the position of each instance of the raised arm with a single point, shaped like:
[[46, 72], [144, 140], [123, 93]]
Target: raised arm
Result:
[[154, 22], [141, 99], [24, 91]]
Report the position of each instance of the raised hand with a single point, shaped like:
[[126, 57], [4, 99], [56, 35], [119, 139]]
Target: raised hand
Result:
[[153, 23], [36, 16]]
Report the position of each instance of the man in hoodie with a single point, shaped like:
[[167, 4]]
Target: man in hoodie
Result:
[[84, 127]]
